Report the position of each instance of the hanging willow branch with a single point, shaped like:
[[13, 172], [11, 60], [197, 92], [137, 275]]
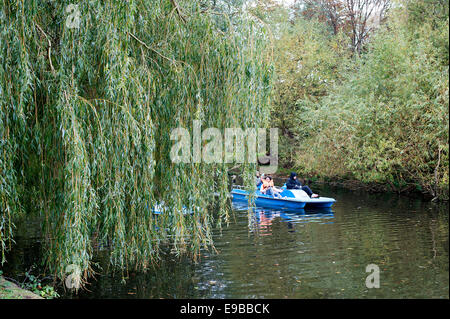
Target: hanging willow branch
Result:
[[151, 49], [49, 47], [177, 8], [94, 161]]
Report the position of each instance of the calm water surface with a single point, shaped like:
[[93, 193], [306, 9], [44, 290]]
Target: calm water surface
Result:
[[273, 254]]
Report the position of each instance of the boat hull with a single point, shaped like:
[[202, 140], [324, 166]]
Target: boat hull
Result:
[[268, 201], [324, 204], [289, 201]]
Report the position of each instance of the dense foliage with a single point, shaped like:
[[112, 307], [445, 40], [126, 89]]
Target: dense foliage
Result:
[[86, 112], [377, 117], [309, 61]]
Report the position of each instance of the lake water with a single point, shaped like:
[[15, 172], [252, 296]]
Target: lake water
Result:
[[271, 254]]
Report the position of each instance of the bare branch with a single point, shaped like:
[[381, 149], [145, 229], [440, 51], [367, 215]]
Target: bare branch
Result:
[[175, 4], [150, 48], [49, 50]]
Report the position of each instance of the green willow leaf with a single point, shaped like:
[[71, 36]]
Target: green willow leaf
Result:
[[86, 114]]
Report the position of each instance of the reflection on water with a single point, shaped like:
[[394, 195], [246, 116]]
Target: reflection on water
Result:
[[283, 254], [260, 219]]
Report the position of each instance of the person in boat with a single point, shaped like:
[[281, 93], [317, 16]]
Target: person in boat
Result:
[[294, 183], [259, 179], [268, 188]]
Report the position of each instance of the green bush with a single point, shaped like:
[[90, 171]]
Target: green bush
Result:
[[388, 121]]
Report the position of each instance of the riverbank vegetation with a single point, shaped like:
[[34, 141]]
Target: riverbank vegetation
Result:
[[9, 290], [31, 288], [362, 91]]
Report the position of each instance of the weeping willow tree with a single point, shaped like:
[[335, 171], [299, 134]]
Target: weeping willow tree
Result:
[[88, 98]]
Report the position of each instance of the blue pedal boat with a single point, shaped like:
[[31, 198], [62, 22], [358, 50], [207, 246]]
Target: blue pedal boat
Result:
[[288, 199]]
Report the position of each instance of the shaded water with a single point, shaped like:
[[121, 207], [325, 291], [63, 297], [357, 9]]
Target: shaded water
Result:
[[272, 254]]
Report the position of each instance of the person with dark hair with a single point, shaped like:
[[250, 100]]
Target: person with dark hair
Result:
[[294, 183], [268, 188]]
